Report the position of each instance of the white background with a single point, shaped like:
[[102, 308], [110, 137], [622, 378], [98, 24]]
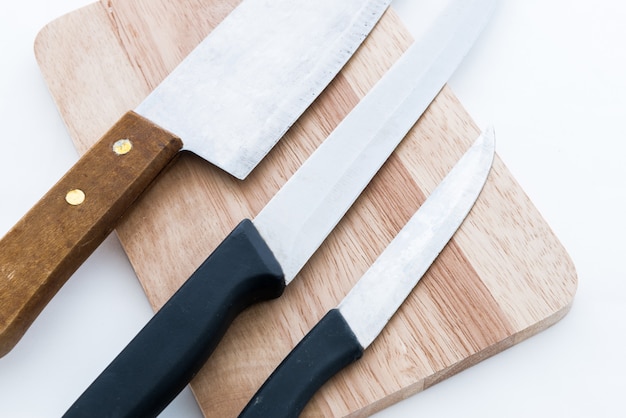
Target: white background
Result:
[[549, 75]]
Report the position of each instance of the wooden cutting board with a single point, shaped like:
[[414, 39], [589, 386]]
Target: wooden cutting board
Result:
[[503, 277]]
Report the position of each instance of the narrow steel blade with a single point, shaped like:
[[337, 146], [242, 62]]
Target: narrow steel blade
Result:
[[384, 287], [239, 91], [300, 216]]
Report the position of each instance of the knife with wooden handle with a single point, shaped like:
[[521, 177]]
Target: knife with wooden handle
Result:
[[261, 256], [343, 334], [230, 101]]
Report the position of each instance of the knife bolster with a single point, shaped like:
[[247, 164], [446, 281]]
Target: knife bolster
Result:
[[244, 264]]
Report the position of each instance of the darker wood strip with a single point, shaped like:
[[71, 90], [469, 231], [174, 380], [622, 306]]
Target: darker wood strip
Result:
[[472, 314]]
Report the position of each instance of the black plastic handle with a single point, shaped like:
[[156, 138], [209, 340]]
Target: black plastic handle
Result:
[[325, 350], [168, 352]]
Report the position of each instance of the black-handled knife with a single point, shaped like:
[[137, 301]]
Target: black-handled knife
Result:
[[260, 257], [343, 334]]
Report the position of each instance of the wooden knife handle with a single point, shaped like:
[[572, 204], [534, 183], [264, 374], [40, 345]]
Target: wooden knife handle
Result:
[[172, 347], [56, 236], [324, 351]]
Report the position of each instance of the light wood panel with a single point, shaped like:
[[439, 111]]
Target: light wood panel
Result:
[[503, 278]]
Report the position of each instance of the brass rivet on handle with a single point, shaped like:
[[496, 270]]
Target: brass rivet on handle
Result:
[[75, 197], [123, 146]]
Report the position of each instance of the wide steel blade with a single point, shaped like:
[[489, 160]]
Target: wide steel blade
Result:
[[300, 216], [239, 91], [384, 287]]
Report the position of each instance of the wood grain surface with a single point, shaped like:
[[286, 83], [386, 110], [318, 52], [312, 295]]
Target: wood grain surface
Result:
[[60, 232], [503, 277]]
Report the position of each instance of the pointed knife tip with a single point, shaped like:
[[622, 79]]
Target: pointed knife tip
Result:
[[487, 139]]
